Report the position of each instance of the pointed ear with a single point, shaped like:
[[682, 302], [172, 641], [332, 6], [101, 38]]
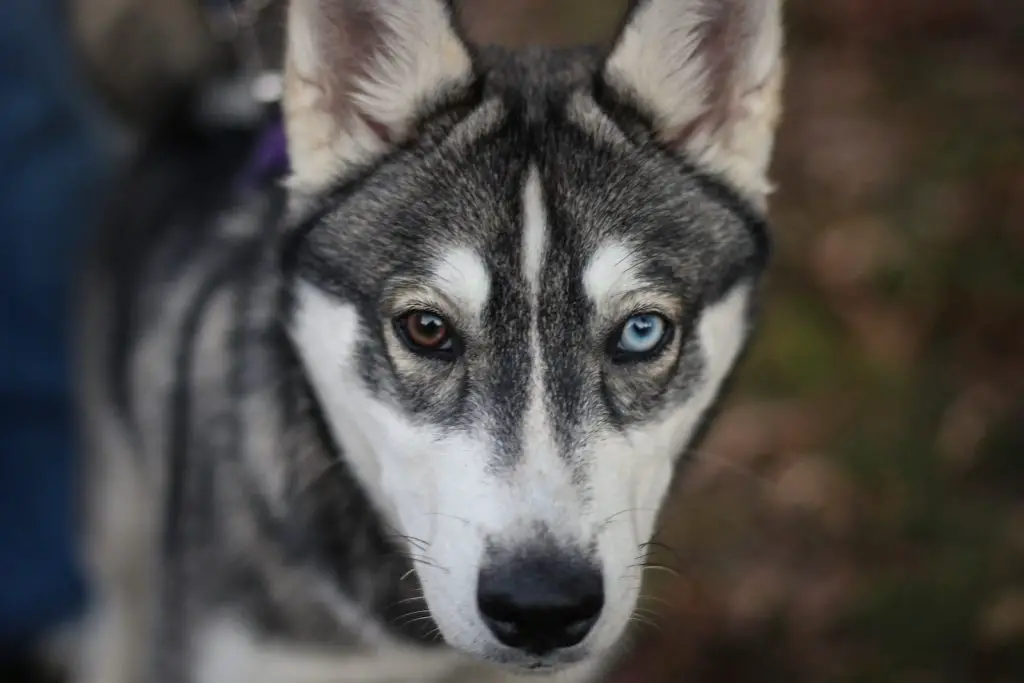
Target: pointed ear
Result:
[[358, 72], [709, 74]]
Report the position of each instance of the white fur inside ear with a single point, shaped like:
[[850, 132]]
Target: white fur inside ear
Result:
[[710, 73], [656, 60], [340, 98], [422, 54]]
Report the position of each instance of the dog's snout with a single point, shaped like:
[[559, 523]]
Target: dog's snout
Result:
[[540, 603]]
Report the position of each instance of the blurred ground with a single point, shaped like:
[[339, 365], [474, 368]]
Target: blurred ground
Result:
[[857, 514]]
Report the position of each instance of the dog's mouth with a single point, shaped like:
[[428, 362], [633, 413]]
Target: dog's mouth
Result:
[[541, 665]]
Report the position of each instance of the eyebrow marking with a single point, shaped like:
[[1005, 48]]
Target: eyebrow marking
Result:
[[462, 276], [611, 272]]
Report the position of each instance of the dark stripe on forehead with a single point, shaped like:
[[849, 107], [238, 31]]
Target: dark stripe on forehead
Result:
[[559, 307], [563, 311], [506, 323], [549, 299]]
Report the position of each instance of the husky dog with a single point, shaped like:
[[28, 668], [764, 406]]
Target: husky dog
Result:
[[410, 414]]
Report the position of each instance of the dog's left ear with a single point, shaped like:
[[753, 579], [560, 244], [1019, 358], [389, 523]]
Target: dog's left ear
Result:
[[709, 74], [358, 74]]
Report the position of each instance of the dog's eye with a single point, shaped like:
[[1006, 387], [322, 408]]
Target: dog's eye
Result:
[[641, 337], [427, 334]]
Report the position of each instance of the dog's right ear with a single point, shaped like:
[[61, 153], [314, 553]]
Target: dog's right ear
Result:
[[358, 73]]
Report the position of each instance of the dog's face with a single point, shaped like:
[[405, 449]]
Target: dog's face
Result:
[[521, 300]]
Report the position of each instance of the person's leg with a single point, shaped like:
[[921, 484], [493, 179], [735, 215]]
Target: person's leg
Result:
[[52, 173]]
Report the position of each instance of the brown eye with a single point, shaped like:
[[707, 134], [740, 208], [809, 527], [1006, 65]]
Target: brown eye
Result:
[[426, 333]]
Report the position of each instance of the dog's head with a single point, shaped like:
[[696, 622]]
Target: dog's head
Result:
[[532, 277]]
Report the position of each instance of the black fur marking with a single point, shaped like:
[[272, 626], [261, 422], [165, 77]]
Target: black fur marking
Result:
[[168, 195]]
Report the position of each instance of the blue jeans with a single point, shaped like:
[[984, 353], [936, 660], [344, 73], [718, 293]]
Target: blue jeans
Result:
[[53, 170]]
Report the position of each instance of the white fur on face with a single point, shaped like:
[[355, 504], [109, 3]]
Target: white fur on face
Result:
[[535, 231], [609, 275], [462, 277], [630, 472], [542, 492], [438, 485], [429, 483]]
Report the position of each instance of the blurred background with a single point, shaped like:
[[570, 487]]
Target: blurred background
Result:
[[857, 513]]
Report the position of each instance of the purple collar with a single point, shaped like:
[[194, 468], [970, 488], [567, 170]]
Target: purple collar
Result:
[[269, 160]]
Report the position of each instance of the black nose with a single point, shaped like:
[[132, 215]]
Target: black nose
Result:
[[542, 602]]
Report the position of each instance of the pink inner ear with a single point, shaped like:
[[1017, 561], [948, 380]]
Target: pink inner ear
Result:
[[380, 130], [720, 49], [354, 37]]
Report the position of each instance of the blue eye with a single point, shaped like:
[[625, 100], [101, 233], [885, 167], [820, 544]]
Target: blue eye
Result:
[[641, 334]]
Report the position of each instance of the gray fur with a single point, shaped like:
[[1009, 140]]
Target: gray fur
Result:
[[200, 416]]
